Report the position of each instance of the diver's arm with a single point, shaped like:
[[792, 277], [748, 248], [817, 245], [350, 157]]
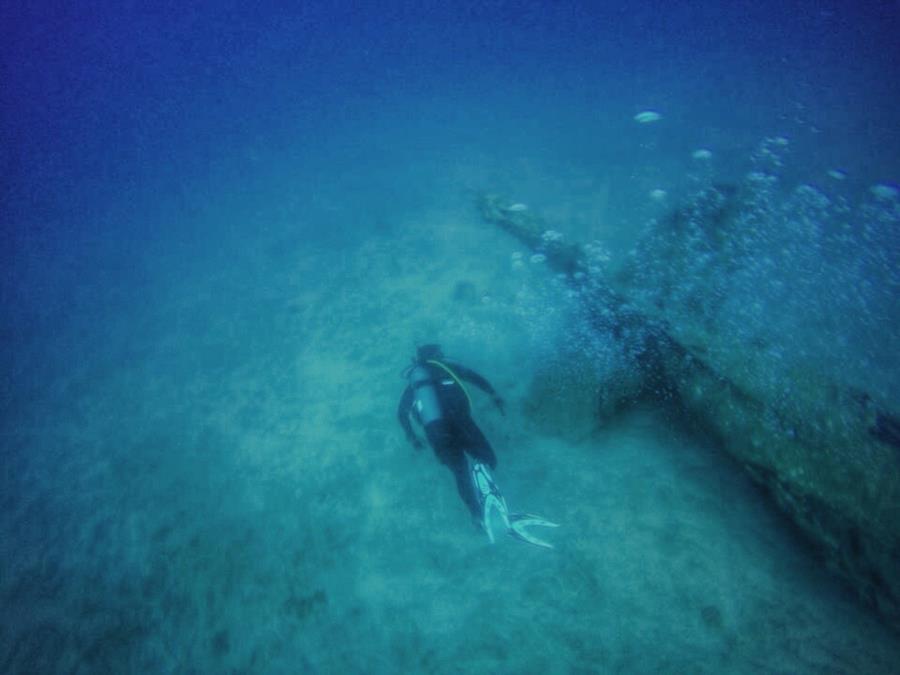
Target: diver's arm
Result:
[[403, 411], [482, 383]]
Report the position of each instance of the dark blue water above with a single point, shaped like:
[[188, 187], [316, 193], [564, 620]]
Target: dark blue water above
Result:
[[128, 130], [132, 98]]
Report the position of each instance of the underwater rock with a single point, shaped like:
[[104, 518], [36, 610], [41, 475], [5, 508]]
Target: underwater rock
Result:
[[568, 398], [712, 617], [826, 453], [560, 405], [465, 292]]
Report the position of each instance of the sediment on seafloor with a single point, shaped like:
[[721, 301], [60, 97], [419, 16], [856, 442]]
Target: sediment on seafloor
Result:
[[822, 454]]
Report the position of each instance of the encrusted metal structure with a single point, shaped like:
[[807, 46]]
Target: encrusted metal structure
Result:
[[828, 453]]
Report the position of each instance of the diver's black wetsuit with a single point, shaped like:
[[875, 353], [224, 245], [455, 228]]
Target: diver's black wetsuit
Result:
[[440, 404]]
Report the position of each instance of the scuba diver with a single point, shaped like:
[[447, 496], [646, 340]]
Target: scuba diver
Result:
[[440, 403]]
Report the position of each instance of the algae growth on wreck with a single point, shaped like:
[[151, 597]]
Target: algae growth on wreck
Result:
[[737, 311], [226, 230]]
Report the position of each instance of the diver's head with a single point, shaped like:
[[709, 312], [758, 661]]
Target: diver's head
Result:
[[428, 352]]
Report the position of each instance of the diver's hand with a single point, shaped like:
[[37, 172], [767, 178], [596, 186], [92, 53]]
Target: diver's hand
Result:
[[501, 406]]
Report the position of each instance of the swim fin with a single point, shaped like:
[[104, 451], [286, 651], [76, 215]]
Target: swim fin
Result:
[[490, 499], [518, 522]]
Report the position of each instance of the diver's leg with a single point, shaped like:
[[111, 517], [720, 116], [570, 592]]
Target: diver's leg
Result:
[[477, 445], [464, 485], [446, 439], [440, 437]]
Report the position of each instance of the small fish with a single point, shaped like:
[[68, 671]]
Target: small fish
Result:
[[885, 192], [658, 195], [647, 116], [702, 154], [517, 207], [838, 174]]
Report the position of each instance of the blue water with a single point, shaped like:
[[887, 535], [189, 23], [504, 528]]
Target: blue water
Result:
[[225, 228]]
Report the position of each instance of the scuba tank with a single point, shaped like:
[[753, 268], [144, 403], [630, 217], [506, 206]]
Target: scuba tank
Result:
[[426, 403]]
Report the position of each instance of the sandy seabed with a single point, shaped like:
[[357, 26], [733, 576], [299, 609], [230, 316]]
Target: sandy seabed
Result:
[[236, 496]]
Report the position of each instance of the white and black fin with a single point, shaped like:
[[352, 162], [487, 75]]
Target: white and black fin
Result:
[[489, 497], [491, 500], [518, 524]]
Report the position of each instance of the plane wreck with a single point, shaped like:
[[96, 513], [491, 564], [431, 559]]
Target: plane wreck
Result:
[[826, 450]]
